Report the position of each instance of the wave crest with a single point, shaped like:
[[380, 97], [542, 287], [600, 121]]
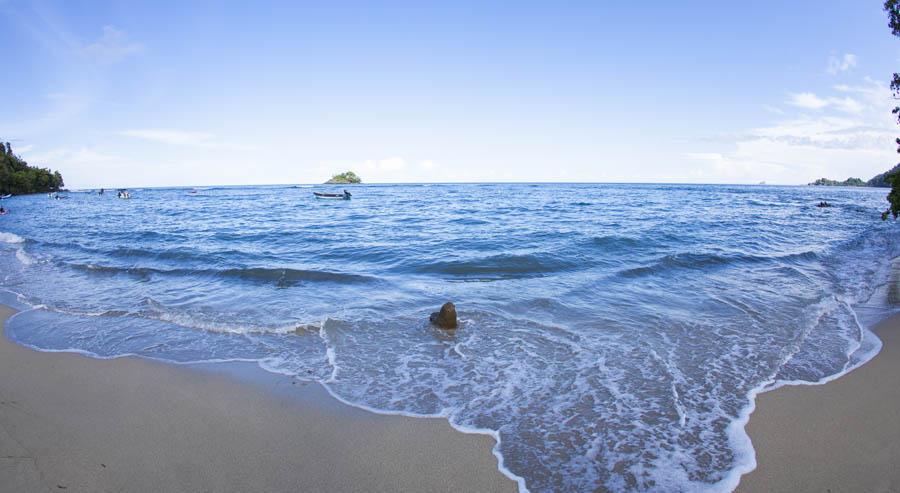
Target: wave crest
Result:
[[11, 238], [503, 266], [283, 277], [710, 260]]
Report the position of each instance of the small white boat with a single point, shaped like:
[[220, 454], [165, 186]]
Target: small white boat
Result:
[[334, 196], [5, 196]]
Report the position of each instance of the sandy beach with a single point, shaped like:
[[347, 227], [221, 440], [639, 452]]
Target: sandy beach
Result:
[[72, 423], [841, 436]]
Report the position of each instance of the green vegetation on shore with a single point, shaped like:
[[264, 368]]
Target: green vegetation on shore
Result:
[[849, 182], [889, 178], [882, 179], [344, 178], [892, 7], [18, 178]]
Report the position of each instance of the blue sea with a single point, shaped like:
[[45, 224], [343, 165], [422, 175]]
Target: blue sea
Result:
[[612, 337]]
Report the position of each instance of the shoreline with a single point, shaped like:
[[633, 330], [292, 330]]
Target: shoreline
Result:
[[86, 424], [841, 435]]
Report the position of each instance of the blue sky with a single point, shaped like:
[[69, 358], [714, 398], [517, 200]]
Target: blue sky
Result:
[[129, 93]]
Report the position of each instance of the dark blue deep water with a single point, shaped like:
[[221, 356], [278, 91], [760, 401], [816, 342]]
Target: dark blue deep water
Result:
[[612, 336]]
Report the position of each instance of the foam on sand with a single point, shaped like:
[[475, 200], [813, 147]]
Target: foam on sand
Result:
[[167, 416]]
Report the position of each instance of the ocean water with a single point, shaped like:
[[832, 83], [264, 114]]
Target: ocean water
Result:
[[612, 336]]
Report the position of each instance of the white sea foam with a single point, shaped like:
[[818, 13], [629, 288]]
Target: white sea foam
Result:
[[859, 353], [11, 238], [203, 321], [596, 364], [23, 257]]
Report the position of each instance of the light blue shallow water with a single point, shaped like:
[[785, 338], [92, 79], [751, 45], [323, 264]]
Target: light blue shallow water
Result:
[[612, 335]]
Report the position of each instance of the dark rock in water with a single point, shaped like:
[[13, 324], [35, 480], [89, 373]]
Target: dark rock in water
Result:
[[823, 204], [302, 330], [446, 318]]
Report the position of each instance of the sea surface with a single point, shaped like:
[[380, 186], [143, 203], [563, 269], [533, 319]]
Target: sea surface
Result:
[[612, 336]]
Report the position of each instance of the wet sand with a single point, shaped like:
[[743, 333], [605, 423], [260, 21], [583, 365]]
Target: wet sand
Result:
[[72, 423], [843, 436]]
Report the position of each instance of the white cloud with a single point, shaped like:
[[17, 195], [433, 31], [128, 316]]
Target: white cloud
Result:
[[872, 92], [705, 156], [179, 137], [164, 136], [807, 100], [55, 158], [847, 105], [841, 64], [390, 170], [389, 165], [850, 134], [113, 46]]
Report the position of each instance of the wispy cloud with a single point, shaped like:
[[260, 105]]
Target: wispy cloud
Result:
[[72, 156], [175, 137], [849, 133], [179, 137], [840, 64], [391, 169], [810, 101], [807, 100], [705, 156], [81, 84], [113, 46]]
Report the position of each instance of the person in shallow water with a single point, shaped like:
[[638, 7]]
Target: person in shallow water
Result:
[[2, 210]]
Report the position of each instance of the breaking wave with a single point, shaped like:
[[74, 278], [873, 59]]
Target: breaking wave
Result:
[[618, 345]]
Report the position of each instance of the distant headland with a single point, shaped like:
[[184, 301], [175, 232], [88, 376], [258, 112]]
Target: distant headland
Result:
[[849, 182], [875, 181], [18, 178], [348, 177]]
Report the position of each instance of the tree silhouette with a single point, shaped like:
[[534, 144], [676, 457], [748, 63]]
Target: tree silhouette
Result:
[[892, 7]]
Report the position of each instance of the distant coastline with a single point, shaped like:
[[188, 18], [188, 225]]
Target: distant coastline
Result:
[[878, 181], [849, 182], [18, 178]]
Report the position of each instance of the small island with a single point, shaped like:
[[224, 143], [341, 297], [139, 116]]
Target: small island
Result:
[[348, 177], [18, 178], [849, 182]]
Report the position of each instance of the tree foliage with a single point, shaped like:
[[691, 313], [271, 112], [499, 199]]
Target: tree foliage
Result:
[[849, 182], [892, 7], [880, 180], [17, 177], [347, 177]]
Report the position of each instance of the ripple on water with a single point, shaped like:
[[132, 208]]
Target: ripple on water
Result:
[[616, 346]]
